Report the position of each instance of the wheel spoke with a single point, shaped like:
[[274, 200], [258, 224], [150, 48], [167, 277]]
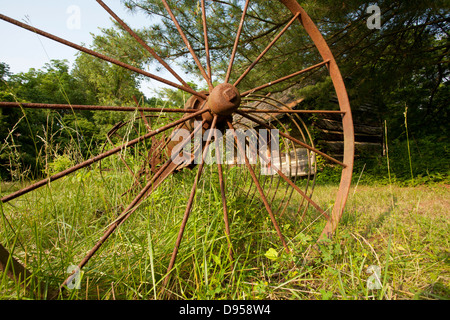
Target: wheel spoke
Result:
[[167, 168], [101, 56], [142, 43], [97, 158], [22, 276], [90, 107], [134, 205], [190, 202], [205, 35], [188, 45], [258, 186], [266, 49], [147, 125], [284, 78], [289, 181], [291, 111], [288, 109], [136, 180], [236, 41], [261, 123], [293, 185]]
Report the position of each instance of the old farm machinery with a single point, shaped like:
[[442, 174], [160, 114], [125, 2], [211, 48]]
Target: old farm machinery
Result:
[[228, 105]]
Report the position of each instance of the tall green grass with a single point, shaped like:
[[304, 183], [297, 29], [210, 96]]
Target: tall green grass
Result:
[[53, 228], [403, 231]]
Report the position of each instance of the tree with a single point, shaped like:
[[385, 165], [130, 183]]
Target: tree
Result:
[[4, 74], [403, 64], [265, 19], [411, 46], [106, 83], [27, 134]]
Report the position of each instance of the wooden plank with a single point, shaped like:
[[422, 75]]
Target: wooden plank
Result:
[[361, 148], [332, 125], [328, 135], [295, 163]]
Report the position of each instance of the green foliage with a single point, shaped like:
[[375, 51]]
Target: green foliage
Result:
[[174, 98], [26, 132], [60, 163], [271, 254], [429, 163], [405, 63], [327, 173], [51, 84], [29, 135], [76, 211]]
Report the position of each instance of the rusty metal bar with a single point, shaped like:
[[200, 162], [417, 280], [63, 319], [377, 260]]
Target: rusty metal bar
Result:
[[344, 104], [124, 162], [205, 35], [188, 45], [147, 125], [156, 179], [266, 49], [22, 276], [284, 78], [97, 158], [258, 186], [132, 207], [13, 269], [101, 56], [293, 185], [236, 41], [190, 202], [291, 111], [142, 43], [89, 107], [292, 138], [275, 103]]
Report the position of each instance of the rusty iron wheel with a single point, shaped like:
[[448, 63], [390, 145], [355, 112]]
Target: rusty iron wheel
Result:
[[223, 106]]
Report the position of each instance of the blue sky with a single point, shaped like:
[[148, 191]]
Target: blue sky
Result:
[[22, 49]]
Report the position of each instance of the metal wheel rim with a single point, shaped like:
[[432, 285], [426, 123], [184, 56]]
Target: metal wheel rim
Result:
[[344, 105]]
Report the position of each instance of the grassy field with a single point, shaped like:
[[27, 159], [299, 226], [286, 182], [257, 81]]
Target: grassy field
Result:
[[392, 243]]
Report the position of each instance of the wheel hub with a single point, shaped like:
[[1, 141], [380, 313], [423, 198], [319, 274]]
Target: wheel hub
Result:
[[224, 99]]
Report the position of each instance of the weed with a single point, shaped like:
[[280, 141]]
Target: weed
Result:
[[402, 231]]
